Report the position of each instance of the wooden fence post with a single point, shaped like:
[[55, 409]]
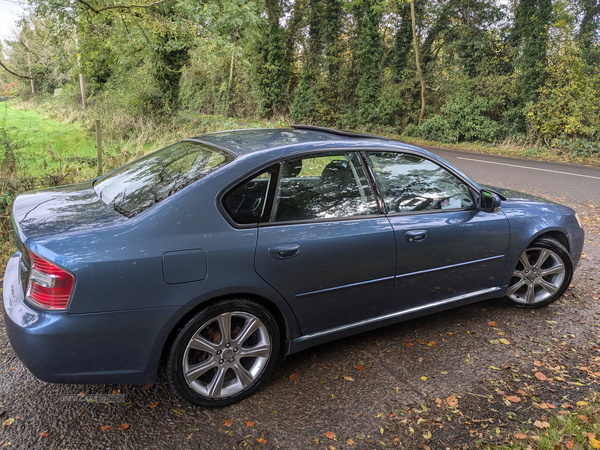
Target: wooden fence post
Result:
[[99, 145]]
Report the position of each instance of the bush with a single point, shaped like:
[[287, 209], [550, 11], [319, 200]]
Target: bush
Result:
[[438, 129], [412, 130]]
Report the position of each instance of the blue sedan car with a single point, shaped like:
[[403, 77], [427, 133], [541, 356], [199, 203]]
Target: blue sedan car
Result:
[[218, 255]]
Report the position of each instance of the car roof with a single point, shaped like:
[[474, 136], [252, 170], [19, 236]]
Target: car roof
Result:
[[246, 141]]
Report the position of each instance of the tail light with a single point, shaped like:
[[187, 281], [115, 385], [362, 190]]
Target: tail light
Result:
[[49, 285]]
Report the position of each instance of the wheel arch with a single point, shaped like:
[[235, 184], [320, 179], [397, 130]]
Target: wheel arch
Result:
[[558, 235], [282, 322]]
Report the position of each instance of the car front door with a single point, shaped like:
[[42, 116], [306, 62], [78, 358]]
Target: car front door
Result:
[[327, 249], [447, 249]]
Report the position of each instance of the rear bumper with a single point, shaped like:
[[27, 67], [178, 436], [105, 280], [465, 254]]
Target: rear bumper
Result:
[[58, 347]]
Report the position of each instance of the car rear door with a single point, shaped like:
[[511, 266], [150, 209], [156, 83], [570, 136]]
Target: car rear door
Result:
[[447, 249], [328, 250]]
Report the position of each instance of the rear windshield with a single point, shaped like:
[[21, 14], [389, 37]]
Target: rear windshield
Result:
[[142, 183]]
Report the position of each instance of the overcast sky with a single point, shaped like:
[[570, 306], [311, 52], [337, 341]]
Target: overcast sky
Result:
[[10, 12]]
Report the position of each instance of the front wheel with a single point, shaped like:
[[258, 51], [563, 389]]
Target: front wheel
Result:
[[542, 275], [224, 353]]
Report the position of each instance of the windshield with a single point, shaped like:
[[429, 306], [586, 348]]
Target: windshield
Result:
[[142, 183]]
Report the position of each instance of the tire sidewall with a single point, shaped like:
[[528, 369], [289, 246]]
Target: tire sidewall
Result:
[[174, 364], [565, 257]]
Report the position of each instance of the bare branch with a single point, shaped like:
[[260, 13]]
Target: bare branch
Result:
[[13, 73], [105, 8]]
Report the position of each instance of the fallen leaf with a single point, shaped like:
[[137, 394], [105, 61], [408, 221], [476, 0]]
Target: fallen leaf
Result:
[[228, 422], [501, 333], [452, 401], [591, 435], [147, 387], [540, 376], [348, 378], [262, 441], [424, 378], [393, 414], [250, 423], [505, 341], [330, 435], [124, 426], [432, 344], [520, 435], [154, 404], [514, 398], [594, 443], [570, 444], [8, 422], [538, 363], [427, 435], [409, 344], [583, 418], [44, 434], [81, 394], [179, 412], [349, 442], [541, 424], [105, 428], [420, 342], [360, 367], [116, 392], [492, 324], [294, 376], [567, 406], [582, 403]]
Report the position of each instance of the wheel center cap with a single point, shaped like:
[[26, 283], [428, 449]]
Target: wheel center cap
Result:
[[228, 353]]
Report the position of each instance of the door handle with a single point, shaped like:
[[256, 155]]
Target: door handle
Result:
[[415, 236], [284, 251]]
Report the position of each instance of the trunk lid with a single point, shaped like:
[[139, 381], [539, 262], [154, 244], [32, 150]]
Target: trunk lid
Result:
[[51, 213]]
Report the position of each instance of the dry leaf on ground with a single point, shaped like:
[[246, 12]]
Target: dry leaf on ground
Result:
[[540, 376], [294, 376], [228, 422], [330, 435], [124, 426], [452, 401]]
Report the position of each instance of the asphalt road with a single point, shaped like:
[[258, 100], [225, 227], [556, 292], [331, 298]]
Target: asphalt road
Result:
[[549, 179], [395, 387]]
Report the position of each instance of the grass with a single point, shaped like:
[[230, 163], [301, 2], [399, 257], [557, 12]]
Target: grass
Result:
[[578, 430], [46, 146]]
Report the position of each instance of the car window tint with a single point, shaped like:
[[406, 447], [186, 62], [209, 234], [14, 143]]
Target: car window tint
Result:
[[323, 187], [246, 202], [411, 183], [152, 178]]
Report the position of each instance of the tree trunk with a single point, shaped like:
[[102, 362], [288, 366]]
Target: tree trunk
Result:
[[417, 59], [30, 75]]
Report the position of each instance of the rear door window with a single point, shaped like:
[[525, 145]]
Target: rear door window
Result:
[[140, 184]]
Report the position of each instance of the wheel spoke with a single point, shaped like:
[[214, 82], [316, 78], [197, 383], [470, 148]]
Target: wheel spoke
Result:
[[544, 254], [224, 321], [216, 385], [250, 327], [258, 351], [199, 342], [559, 268], [244, 377], [525, 261], [530, 294], [546, 285], [515, 287], [519, 274], [197, 370]]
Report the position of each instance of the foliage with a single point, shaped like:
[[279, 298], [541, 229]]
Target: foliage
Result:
[[526, 71]]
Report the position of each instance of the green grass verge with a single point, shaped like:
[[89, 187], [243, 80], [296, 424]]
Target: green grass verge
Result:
[[45, 145], [577, 430]]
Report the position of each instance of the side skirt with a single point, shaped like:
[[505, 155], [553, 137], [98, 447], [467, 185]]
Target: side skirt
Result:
[[330, 334]]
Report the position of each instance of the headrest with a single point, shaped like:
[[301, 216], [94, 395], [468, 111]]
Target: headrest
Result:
[[292, 169]]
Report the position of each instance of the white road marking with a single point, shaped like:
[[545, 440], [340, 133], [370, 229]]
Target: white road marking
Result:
[[530, 168]]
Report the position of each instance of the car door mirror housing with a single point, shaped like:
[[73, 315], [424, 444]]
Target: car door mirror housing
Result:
[[489, 201]]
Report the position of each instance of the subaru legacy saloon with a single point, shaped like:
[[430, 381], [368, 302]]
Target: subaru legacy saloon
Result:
[[218, 255]]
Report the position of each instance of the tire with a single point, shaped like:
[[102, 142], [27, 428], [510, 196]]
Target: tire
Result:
[[542, 275], [224, 353]]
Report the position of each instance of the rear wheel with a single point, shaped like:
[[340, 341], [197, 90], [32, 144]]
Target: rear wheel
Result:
[[542, 275], [224, 353]]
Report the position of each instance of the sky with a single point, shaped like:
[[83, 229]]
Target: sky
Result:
[[10, 12]]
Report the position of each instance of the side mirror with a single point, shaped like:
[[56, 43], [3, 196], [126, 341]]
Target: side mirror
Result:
[[489, 202]]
